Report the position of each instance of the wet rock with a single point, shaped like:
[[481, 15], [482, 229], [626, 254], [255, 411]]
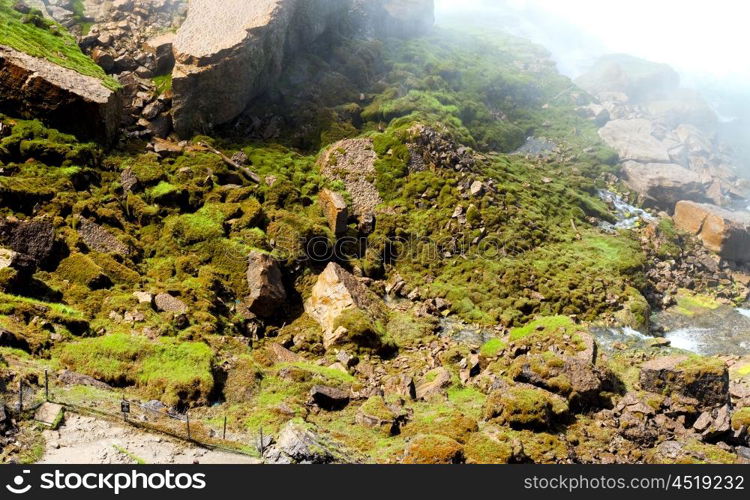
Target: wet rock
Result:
[[704, 379], [722, 231], [335, 210], [264, 279], [329, 398]]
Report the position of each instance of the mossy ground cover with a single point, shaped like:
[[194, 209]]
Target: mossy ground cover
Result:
[[529, 256], [165, 369], [38, 37]]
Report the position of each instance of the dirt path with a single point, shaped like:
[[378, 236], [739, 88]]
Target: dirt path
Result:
[[88, 440]]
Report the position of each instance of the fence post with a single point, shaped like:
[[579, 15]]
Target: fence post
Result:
[[224, 434], [46, 385], [187, 422], [261, 445], [20, 397]]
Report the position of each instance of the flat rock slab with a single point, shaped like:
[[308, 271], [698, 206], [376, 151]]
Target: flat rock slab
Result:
[[48, 413]]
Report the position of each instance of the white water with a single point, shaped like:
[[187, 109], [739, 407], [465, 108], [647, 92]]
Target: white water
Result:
[[690, 339], [627, 215]]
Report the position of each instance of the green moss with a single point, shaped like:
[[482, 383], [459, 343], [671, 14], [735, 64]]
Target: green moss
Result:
[[82, 270], [206, 224], [38, 37], [165, 369], [492, 348], [741, 418], [690, 304], [524, 408], [163, 83], [433, 449], [544, 327], [489, 448]]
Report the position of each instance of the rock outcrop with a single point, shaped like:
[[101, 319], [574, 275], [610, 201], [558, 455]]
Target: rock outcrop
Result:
[[662, 185], [63, 98], [229, 52], [722, 231]]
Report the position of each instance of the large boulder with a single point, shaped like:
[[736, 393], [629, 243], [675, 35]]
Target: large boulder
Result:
[[639, 79], [722, 231], [637, 140], [33, 237], [662, 185], [704, 379], [339, 302], [227, 53], [62, 98], [266, 285]]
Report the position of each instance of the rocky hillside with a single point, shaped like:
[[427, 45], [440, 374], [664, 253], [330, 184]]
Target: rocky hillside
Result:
[[382, 249]]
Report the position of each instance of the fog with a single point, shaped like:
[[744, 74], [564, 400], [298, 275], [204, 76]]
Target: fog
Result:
[[706, 42]]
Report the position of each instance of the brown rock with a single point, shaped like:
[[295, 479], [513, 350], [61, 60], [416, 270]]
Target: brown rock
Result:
[[31, 86], [722, 231], [335, 210], [704, 379], [161, 48], [434, 382], [329, 398], [266, 286]]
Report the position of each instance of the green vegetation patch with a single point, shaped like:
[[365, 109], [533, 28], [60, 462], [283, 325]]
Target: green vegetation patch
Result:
[[36, 36], [165, 369]]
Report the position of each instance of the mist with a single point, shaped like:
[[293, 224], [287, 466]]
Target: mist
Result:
[[705, 42]]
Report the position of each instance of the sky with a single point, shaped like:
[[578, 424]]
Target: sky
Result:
[[705, 39]]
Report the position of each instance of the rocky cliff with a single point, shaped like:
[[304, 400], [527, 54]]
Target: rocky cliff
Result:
[[70, 101], [230, 52]]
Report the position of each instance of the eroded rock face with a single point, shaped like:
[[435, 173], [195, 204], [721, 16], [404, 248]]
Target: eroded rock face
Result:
[[61, 97], [722, 231], [229, 52]]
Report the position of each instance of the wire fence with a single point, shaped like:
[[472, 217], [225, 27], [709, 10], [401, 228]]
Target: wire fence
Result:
[[108, 403]]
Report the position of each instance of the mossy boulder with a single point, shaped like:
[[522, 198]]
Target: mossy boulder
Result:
[[82, 270], [525, 407], [702, 378], [493, 446], [433, 449]]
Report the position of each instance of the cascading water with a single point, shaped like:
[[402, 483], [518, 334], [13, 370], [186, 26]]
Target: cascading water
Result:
[[627, 216]]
